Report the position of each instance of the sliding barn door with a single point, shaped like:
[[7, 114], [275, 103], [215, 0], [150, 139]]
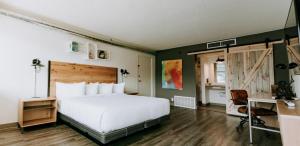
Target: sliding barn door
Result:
[[294, 55], [250, 68]]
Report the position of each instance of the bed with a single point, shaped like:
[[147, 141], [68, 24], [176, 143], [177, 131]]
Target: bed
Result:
[[105, 117]]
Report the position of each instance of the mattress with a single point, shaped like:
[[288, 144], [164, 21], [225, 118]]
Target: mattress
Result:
[[106, 113]]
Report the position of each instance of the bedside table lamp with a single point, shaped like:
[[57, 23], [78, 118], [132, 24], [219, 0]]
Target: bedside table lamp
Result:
[[36, 63]]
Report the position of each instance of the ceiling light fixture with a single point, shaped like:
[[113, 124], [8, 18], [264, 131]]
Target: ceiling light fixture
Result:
[[220, 60]]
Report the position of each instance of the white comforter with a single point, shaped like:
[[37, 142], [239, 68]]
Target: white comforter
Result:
[[105, 113]]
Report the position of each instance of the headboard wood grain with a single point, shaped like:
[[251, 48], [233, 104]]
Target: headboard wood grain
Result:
[[74, 73]]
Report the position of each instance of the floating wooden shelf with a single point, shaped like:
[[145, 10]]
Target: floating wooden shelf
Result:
[[36, 111]]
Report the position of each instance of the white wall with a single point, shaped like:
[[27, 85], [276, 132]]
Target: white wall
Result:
[[20, 42]]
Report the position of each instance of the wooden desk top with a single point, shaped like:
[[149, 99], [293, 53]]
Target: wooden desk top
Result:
[[262, 99], [289, 120], [283, 109], [267, 98]]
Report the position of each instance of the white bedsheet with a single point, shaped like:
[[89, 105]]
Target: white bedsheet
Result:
[[105, 113]]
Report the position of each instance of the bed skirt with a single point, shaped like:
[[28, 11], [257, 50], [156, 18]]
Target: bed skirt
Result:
[[113, 135]]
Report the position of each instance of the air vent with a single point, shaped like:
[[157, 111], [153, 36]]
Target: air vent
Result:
[[223, 43], [186, 102]]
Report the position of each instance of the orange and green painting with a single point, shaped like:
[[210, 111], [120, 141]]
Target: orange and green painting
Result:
[[172, 74]]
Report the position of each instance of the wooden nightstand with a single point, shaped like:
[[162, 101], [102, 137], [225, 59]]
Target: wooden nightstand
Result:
[[36, 111]]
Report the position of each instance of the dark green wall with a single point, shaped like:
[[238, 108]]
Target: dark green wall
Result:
[[280, 57], [189, 84]]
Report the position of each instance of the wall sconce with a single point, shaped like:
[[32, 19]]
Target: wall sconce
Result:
[[220, 60], [36, 63], [124, 73]]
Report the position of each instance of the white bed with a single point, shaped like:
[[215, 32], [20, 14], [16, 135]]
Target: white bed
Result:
[[105, 113]]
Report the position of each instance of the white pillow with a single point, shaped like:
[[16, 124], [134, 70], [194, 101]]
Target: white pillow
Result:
[[91, 88], [119, 88], [105, 88], [69, 89]]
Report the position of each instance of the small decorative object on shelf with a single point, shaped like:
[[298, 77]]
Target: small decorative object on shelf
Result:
[[36, 111], [102, 54], [91, 51], [36, 63]]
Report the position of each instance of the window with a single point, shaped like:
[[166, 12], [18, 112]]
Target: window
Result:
[[220, 72]]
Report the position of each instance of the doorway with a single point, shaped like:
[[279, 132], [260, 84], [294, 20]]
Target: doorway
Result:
[[211, 78], [144, 75], [247, 67]]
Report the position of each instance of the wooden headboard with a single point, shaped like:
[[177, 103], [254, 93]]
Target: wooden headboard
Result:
[[74, 73]]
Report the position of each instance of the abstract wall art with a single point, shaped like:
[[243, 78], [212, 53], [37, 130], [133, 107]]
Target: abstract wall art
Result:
[[172, 74]]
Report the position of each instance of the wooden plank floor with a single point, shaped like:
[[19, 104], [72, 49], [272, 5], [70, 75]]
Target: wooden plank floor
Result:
[[205, 127]]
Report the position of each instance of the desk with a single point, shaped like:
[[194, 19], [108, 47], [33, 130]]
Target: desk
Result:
[[289, 121], [264, 100]]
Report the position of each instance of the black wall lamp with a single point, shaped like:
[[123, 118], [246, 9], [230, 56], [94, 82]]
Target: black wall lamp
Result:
[[292, 65], [124, 73], [36, 63], [220, 60]]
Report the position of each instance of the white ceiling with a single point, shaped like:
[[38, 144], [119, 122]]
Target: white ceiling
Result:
[[162, 24]]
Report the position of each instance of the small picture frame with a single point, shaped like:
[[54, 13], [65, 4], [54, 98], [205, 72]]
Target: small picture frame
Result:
[[102, 54], [91, 51]]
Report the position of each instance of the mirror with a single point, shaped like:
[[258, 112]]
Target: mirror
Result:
[[290, 28], [291, 19], [293, 50]]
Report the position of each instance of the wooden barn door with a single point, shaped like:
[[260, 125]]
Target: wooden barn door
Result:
[[294, 55], [293, 50], [251, 68]]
